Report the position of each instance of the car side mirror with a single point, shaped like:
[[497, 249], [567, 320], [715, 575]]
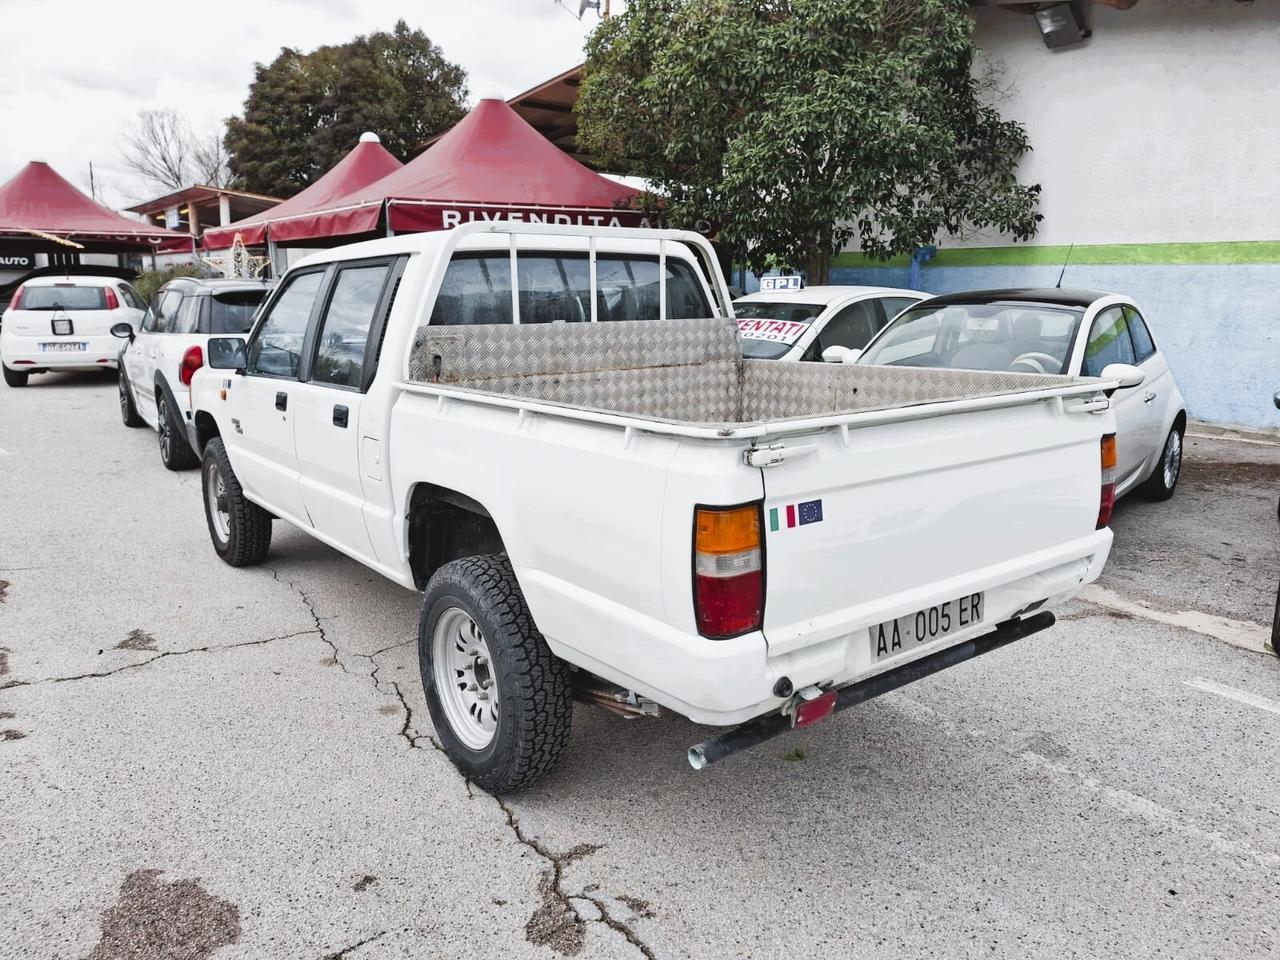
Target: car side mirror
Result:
[[122, 330], [1126, 373], [841, 355], [1276, 399], [227, 353]]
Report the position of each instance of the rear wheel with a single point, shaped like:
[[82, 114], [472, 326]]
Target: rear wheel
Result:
[[15, 378], [175, 452], [240, 529], [1164, 479], [500, 700], [128, 412]]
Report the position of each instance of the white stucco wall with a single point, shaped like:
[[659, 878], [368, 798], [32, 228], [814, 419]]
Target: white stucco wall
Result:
[[1163, 127]]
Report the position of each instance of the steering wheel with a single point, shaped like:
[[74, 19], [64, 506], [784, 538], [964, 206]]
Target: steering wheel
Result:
[[1038, 360]]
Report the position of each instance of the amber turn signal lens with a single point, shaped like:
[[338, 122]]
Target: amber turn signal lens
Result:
[[1109, 452], [728, 531]]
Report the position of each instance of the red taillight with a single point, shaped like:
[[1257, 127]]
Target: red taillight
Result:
[[728, 570], [113, 302], [192, 361], [1107, 497], [16, 302], [809, 712]]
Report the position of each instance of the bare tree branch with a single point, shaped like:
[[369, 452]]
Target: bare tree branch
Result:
[[158, 147], [209, 157]]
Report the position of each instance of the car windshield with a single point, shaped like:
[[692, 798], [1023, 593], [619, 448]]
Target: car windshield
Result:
[[233, 311], [63, 296], [769, 328], [1017, 337]]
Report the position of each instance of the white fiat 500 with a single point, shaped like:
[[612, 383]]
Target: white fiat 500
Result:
[[1073, 332], [800, 323], [64, 323]]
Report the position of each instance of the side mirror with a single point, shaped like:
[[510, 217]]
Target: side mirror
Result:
[[841, 355], [1126, 373], [122, 330], [1276, 399], [226, 353]]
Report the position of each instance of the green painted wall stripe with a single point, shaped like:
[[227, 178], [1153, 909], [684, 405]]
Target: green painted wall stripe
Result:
[[1120, 254]]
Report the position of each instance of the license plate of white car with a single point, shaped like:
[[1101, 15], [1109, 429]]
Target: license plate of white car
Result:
[[64, 347], [903, 634]]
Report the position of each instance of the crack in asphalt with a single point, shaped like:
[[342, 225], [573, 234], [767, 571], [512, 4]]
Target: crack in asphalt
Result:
[[339, 954], [212, 648], [613, 923], [316, 618]]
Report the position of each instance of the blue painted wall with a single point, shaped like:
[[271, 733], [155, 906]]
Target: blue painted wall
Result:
[[1218, 324]]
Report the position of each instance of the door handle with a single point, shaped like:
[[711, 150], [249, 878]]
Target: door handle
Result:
[[282, 400], [339, 415], [1149, 397]]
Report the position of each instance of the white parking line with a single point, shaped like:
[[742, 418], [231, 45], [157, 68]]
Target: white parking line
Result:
[[1231, 693], [1238, 633], [1216, 436]]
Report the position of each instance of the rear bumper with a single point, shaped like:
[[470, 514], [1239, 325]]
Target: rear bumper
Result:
[[725, 682], [26, 353]]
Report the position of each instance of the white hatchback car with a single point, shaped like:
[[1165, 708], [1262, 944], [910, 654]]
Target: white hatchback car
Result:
[[157, 363], [64, 323], [1072, 332], [801, 324]]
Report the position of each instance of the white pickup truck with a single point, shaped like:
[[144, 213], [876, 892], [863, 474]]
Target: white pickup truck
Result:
[[553, 434]]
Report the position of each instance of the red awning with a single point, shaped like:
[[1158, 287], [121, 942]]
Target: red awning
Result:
[[491, 166], [295, 219], [38, 201]]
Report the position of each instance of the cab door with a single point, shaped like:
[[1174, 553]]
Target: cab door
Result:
[[330, 400], [262, 403]]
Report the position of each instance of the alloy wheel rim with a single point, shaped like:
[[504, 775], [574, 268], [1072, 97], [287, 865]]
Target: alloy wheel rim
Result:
[[1172, 459], [124, 400], [464, 678], [216, 495], [164, 429]]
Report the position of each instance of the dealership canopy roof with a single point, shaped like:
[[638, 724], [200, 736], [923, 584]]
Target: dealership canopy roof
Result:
[[491, 166], [297, 218], [39, 205]]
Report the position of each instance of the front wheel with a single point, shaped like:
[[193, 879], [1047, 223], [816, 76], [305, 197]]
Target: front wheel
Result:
[[239, 528], [1160, 485], [175, 452], [500, 700], [15, 378]]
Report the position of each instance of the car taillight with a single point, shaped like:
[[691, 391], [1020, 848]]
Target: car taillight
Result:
[[192, 361], [16, 302], [1107, 500], [113, 302], [728, 570]]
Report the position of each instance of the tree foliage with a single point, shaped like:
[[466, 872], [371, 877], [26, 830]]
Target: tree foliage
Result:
[[799, 125], [305, 111]]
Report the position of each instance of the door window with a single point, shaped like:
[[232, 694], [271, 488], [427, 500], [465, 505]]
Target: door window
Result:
[[1109, 342], [344, 331], [852, 327], [895, 305], [187, 319], [1143, 345], [131, 297], [277, 349], [160, 318]]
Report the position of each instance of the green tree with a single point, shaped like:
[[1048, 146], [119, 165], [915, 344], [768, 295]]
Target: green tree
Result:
[[306, 110], [798, 125]]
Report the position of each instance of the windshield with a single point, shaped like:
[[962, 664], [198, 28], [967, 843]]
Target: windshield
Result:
[[64, 296], [769, 328], [232, 312], [1018, 337]]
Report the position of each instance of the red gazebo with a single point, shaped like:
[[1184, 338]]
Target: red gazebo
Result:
[[298, 219], [46, 213], [491, 166]]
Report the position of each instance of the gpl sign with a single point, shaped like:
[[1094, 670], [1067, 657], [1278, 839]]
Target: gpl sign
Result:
[[770, 284]]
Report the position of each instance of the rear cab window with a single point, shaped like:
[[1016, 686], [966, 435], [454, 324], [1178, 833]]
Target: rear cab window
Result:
[[230, 312]]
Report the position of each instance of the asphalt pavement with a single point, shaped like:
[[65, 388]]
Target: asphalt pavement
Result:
[[198, 761]]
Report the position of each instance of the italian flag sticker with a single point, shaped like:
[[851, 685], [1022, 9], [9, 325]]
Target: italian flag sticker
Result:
[[795, 514]]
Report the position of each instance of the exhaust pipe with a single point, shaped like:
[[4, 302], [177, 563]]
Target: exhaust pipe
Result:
[[755, 732]]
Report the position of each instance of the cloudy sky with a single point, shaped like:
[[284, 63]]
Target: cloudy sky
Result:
[[72, 74]]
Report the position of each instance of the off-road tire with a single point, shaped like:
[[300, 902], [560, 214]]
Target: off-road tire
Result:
[[175, 451], [128, 411], [248, 525], [15, 378], [1156, 487], [534, 686]]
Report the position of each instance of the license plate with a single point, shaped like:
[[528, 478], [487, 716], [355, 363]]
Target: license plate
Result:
[[64, 347], [900, 635]]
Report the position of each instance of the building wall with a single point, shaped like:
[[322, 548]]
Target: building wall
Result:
[[1155, 145]]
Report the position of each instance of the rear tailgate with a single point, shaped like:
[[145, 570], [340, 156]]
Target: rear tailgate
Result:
[[892, 518]]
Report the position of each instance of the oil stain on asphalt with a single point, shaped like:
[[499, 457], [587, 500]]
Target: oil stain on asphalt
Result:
[[138, 640], [154, 920]]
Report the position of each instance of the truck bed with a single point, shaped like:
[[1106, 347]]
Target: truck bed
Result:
[[688, 372]]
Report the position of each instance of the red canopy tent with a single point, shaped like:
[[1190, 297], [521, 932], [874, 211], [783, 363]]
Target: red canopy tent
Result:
[[491, 166], [37, 205], [297, 219]]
